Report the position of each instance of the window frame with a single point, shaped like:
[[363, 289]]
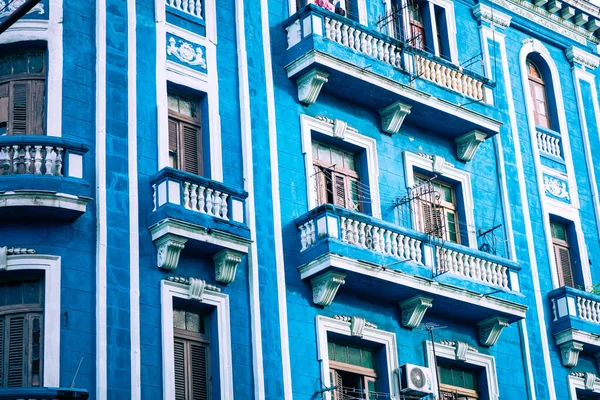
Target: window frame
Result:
[[184, 120], [461, 179], [220, 303], [472, 358], [560, 244], [446, 387], [325, 325], [51, 267], [579, 383], [308, 125], [446, 207], [534, 82]]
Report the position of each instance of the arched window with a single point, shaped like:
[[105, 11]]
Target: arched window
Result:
[[539, 95]]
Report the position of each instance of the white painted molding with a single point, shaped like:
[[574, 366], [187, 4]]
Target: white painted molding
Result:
[[470, 357], [325, 325], [393, 116], [43, 198], [490, 330], [586, 59], [325, 287], [327, 126], [310, 85], [11, 251], [168, 249], [196, 287], [357, 324], [582, 381], [226, 263], [51, 266], [467, 144], [438, 165], [220, 303], [413, 310], [494, 17], [569, 353]]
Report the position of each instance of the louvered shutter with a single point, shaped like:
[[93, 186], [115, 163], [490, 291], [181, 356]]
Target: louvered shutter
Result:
[[431, 220], [198, 373], [35, 112], [336, 380], [1, 352], [173, 143], [16, 351], [339, 190], [4, 104], [180, 373], [18, 113], [191, 149], [563, 264]]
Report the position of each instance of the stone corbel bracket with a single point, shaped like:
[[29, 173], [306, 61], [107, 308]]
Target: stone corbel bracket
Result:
[[569, 353], [310, 85], [413, 310], [490, 330], [226, 263], [168, 249], [467, 144], [325, 287], [393, 116], [196, 287], [11, 251]]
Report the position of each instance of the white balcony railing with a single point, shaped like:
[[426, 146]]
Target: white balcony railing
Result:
[[362, 42], [588, 309], [472, 267], [205, 200], [367, 233], [450, 78], [549, 144], [191, 7], [18, 159]]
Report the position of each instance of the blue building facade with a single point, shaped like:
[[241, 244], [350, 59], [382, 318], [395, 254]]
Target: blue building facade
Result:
[[366, 199]]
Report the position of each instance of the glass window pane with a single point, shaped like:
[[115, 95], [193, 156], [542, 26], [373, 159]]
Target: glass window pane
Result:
[[469, 380], [179, 319], [331, 351], [324, 154], [19, 63], [186, 107], [14, 293], [446, 375], [192, 322], [354, 356], [36, 63], [367, 359], [341, 353], [446, 194], [337, 158], [31, 292], [315, 150], [173, 103], [349, 161]]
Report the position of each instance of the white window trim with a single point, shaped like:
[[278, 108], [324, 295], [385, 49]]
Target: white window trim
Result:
[[451, 24], [220, 301], [52, 268], [576, 382], [167, 71], [388, 339], [471, 357], [309, 124], [412, 160]]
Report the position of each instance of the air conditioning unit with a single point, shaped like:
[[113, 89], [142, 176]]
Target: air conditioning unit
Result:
[[414, 379]]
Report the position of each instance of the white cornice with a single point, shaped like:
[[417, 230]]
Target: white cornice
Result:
[[487, 14], [577, 55]]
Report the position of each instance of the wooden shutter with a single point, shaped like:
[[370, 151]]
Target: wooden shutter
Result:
[[339, 190], [4, 103], [336, 380], [36, 106], [563, 265], [16, 352], [191, 149], [198, 373], [18, 112], [180, 376], [173, 143]]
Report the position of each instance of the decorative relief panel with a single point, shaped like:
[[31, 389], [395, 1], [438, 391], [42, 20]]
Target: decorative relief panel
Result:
[[186, 53], [38, 11], [556, 188]]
